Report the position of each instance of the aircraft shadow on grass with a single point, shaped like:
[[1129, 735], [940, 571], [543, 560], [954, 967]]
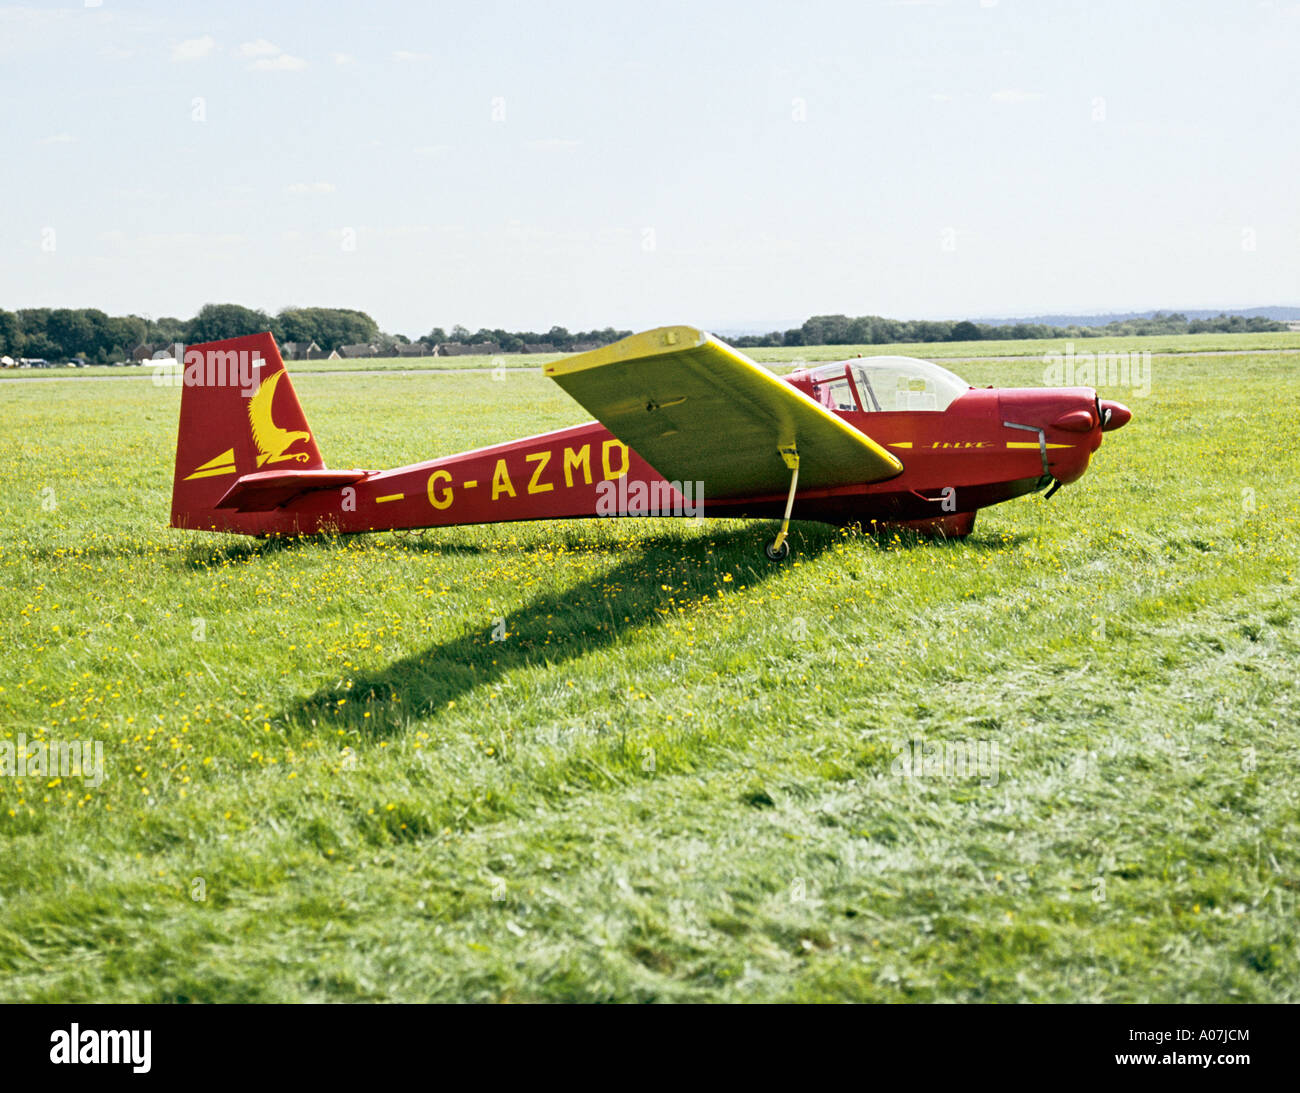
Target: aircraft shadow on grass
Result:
[[555, 628]]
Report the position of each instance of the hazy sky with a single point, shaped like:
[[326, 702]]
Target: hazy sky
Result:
[[592, 164]]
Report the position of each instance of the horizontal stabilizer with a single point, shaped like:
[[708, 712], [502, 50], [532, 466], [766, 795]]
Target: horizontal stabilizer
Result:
[[262, 491]]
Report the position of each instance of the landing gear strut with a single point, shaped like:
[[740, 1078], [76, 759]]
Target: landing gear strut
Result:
[[779, 547]]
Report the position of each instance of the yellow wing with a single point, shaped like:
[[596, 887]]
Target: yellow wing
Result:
[[697, 410]]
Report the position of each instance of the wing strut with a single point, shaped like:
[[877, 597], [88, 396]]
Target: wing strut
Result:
[[778, 548]]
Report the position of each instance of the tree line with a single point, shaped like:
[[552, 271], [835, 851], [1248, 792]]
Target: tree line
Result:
[[557, 339], [875, 330], [61, 334]]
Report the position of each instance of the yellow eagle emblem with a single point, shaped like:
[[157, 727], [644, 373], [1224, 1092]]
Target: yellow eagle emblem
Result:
[[270, 439]]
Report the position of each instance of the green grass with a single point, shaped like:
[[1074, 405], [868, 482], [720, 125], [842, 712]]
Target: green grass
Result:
[[675, 778], [1030, 347]]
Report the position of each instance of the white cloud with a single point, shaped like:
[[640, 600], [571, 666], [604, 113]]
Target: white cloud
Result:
[[343, 58], [269, 57], [408, 55], [259, 47], [310, 188], [283, 63], [1015, 95], [58, 138], [194, 49], [939, 96], [550, 143]]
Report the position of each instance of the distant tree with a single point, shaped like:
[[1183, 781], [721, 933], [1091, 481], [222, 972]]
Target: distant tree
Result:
[[39, 344], [296, 325], [1225, 324], [34, 320], [12, 340], [167, 331], [72, 331], [215, 322], [459, 334], [386, 343], [125, 332], [932, 330], [436, 336], [964, 332], [754, 341], [884, 331], [328, 327], [826, 330]]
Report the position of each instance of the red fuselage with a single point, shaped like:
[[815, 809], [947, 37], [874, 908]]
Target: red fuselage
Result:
[[987, 446]]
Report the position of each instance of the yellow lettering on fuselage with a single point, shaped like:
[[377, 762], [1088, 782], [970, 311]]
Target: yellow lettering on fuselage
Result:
[[501, 481], [541, 459], [615, 457], [573, 460], [604, 459], [440, 499]]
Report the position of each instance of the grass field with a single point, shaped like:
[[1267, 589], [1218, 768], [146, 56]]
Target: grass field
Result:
[[678, 776], [1029, 347]]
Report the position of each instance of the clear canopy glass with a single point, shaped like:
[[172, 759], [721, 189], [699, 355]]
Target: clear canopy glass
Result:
[[879, 384]]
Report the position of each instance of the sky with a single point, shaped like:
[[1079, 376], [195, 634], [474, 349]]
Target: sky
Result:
[[727, 165]]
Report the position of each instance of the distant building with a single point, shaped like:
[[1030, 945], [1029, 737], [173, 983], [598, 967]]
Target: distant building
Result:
[[359, 350], [301, 351], [459, 349], [415, 349], [538, 347], [583, 347]]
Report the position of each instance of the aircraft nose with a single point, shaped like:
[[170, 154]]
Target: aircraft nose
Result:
[[1114, 415]]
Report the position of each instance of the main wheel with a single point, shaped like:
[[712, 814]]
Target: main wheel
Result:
[[780, 553]]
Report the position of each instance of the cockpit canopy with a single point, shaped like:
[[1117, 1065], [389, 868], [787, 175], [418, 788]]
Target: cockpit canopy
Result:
[[878, 384]]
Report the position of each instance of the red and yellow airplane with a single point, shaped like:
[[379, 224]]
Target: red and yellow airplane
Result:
[[686, 426]]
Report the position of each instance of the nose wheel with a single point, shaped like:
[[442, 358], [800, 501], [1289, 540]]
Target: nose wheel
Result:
[[779, 548]]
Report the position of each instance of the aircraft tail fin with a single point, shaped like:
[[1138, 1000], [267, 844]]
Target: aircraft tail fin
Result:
[[239, 415]]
